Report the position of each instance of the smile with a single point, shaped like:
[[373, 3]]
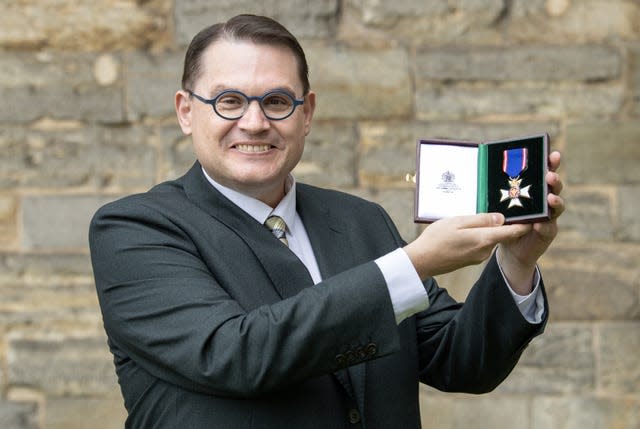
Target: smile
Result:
[[253, 148]]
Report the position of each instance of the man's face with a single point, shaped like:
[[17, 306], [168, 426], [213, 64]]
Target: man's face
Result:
[[253, 154]]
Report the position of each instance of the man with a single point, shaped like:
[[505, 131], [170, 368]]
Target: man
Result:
[[330, 320]]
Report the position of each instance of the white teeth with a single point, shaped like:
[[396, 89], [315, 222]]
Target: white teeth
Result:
[[253, 148]]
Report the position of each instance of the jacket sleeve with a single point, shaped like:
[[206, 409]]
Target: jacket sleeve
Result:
[[472, 347], [164, 310]]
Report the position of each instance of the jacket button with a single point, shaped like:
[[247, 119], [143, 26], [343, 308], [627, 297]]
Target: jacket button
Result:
[[372, 349], [350, 356], [354, 416]]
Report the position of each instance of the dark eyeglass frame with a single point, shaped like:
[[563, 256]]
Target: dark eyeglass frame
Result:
[[259, 99]]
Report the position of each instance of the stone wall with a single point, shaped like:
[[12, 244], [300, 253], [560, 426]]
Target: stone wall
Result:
[[86, 116]]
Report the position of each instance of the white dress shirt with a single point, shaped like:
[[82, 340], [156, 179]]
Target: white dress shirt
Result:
[[408, 295]]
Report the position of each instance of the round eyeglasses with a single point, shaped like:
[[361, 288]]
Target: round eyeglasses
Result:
[[232, 104]]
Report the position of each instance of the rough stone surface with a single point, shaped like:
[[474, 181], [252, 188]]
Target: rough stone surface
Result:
[[15, 415], [430, 22], [61, 364], [536, 63], [619, 369], [329, 148], [589, 215], [66, 222], [74, 413], [582, 21], [356, 84], [544, 100], [592, 282], [473, 412], [152, 81], [560, 361], [585, 412], [304, 19], [8, 221], [629, 201], [59, 86], [62, 25], [591, 143]]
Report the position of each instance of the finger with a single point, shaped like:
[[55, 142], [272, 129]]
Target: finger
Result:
[[555, 159], [556, 203], [553, 180], [479, 220]]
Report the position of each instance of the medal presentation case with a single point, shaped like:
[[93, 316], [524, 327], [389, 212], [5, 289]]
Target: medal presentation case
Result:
[[455, 178]]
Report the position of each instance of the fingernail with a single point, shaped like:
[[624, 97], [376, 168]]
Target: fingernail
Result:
[[497, 218]]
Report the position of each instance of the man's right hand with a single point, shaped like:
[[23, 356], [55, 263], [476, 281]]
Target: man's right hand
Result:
[[457, 242]]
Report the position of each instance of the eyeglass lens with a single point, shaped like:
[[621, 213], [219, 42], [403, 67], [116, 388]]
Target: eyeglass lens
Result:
[[233, 105]]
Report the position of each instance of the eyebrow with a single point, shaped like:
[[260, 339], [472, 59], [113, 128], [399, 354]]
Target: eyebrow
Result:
[[221, 88]]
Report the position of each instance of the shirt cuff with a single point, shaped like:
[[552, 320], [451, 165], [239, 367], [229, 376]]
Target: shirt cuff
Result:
[[531, 306], [408, 295]]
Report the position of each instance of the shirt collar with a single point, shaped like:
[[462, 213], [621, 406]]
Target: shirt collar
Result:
[[258, 210]]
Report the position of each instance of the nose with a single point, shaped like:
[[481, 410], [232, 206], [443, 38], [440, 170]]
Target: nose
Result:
[[254, 120]]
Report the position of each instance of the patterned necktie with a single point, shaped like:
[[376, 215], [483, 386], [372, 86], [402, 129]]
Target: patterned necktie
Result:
[[277, 226]]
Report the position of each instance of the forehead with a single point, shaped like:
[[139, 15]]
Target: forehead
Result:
[[248, 66]]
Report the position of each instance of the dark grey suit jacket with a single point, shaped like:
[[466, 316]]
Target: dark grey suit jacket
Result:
[[213, 323]]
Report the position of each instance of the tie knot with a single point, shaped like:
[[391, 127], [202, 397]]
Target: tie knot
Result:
[[277, 226]]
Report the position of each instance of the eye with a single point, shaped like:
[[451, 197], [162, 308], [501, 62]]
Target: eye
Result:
[[230, 101], [277, 101]]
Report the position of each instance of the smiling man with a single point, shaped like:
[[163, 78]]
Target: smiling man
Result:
[[236, 297]]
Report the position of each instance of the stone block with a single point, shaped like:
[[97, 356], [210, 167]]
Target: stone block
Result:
[[61, 268], [58, 222], [62, 86], [555, 100], [44, 304], [629, 208], [81, 413], [522, 63], [560, 21], [426, 22], [635, 62], [589, 214], [61, 364], [603, 152], [152, 81], [473, 412], [619, 366], [592, 281], [95, 25], [304, 19], [585, 412], [98, 157], [356, 84], [8, 221], [559, 361], [14, 415], [329, 157], [125, 158]]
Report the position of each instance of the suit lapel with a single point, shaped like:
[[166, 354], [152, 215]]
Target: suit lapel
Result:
[[287, 273], [334, 254]]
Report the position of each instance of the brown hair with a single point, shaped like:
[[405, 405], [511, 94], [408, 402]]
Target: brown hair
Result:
[[257, 29]]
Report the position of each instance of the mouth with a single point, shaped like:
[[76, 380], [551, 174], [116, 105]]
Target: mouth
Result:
[[253, 148]]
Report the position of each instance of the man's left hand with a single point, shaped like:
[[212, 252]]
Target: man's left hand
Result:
[[518, 257]]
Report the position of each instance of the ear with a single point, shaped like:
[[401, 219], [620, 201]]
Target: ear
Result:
[[309, 107], [183, 110]]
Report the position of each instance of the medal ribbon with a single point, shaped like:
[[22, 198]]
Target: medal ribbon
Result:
[[514, 161]]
